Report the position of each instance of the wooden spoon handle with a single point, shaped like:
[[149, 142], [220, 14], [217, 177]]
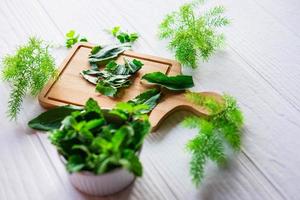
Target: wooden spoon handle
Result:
[[172, 102]]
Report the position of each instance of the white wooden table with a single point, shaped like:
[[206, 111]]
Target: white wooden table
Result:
[[260, 66]]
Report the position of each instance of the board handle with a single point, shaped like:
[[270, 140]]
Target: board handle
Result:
[[175, 101]]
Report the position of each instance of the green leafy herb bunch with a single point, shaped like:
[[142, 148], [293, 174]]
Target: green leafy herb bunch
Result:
[[98, 142], [193, 35], [222, 127], [27, 71]]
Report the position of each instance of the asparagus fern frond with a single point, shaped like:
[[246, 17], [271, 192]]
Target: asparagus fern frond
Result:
[[223, 127], [28, 70]]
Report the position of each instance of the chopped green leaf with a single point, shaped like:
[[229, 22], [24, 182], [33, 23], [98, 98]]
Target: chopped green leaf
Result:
[[179, 82], [106, 89], [96, 49], [107, 53], [149, 98], [114, 77]]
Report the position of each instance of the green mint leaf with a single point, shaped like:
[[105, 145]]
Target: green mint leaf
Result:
[[92, 106], [133, 163], [75, 163]]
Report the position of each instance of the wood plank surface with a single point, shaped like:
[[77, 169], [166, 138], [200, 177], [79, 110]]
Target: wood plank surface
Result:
[[259, 65]]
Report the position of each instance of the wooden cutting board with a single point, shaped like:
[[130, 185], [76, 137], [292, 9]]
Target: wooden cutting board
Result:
[[71, 88]]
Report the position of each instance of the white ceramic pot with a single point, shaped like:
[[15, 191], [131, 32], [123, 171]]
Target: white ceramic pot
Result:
[[101, 185], [104, 184]]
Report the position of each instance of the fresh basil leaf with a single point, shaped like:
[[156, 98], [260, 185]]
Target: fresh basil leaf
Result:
[[149, 98], [179, 82], [52, 118], [107, 53]]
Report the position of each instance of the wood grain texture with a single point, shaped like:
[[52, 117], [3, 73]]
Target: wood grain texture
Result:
[[260, 66]]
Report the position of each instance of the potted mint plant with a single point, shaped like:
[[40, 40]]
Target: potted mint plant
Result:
[[99, 148]]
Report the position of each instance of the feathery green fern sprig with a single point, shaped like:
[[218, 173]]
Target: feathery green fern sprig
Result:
[[223, 127], [27, 71], [193, 36]]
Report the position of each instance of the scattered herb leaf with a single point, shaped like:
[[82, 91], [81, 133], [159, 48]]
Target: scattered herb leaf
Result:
[[193, 36], [72, 38], [28, 70], [124, 37], [179, 82], [223, 127]]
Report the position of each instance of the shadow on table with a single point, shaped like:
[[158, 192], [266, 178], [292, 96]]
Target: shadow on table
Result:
[[124, 194], [171, 122], [220, 183]]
